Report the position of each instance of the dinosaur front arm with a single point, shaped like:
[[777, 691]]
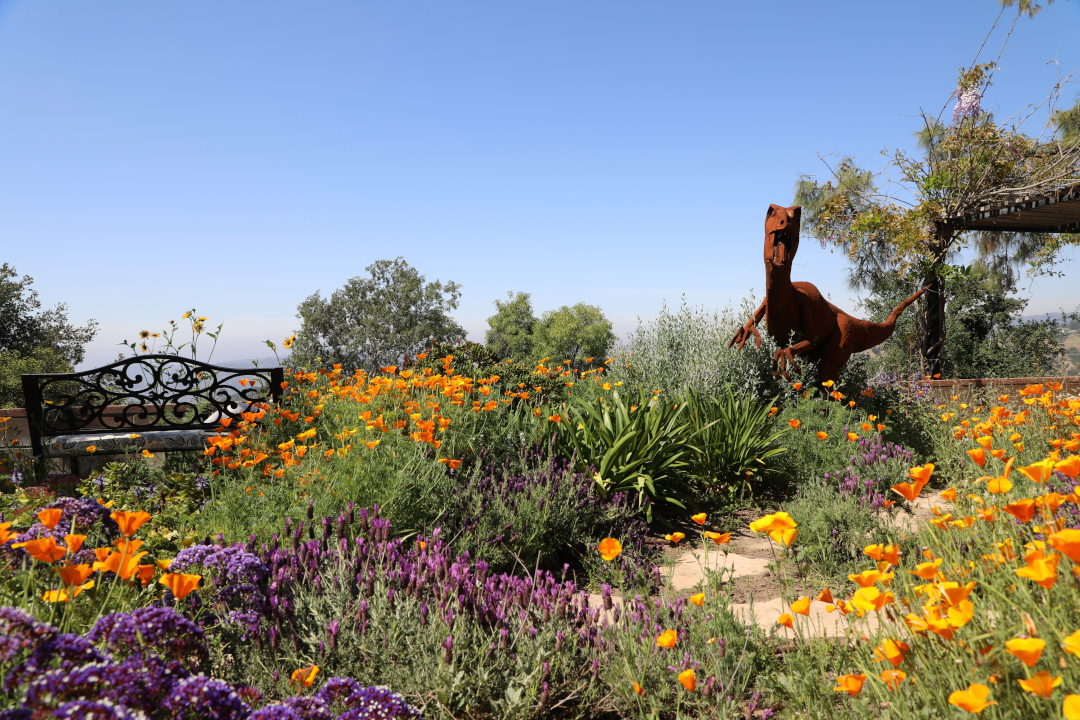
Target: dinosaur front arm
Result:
[[749, 328]]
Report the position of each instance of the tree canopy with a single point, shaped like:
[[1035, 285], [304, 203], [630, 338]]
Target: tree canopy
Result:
[[33, 340], [375, 321], [901, 224], [573, 333], [510, 329]]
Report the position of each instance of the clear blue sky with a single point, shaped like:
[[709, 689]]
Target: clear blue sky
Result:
[[238, 156]]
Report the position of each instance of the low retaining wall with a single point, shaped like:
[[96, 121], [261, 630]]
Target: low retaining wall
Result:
[[965, 389]]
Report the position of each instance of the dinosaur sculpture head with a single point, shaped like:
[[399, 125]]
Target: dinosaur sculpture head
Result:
[[781, 236]]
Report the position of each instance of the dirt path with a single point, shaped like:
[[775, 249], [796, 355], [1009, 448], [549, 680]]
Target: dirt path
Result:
[[748, 567]]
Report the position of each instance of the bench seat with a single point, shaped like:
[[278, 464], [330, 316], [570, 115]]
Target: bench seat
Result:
[[66, 446]]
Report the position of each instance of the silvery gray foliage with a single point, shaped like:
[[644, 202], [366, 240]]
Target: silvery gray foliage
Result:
[[689, 349]]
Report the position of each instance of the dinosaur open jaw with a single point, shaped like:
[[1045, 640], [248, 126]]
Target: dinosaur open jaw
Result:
[[779, 256]]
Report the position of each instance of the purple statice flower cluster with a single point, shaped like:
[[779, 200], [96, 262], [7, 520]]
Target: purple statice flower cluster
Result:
[[239, 578], [968, 103], [151, 672]]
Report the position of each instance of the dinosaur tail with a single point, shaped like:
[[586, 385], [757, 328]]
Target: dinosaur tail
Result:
[[877, 333]]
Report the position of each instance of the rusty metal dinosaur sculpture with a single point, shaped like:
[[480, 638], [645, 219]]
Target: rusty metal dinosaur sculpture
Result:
[[828, 335]]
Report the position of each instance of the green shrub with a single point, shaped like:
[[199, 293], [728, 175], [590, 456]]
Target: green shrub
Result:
[[688, 350]]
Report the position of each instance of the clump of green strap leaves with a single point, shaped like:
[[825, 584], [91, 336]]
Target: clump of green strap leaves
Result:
[[663, 450]]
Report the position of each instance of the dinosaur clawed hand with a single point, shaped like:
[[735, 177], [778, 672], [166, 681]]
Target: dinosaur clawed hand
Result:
[[744, 334], [781, 360]]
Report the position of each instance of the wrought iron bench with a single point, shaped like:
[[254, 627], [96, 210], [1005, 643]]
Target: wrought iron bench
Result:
[[157, 403]]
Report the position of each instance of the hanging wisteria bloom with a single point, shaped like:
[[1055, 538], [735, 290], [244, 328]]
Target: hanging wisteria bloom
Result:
[[968, 103]]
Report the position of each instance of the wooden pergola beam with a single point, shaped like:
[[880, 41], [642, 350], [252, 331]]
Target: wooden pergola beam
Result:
[[1057, 212]]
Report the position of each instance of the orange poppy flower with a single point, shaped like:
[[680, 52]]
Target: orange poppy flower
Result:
[[786, 620], [852, 437], [921, 473], [1041, 570], [698, 599], [784, 538], [893, 678], [1069, 466], [688, 679], [53, 596], [667, 639], [1038, 472], [637, 689], [130, 522], [75, 574], [891, 650], [50, 517], [908, 491], [610, 549], [74, 543], [44, 549], [181, 585], [718, 538], [949, 494], [1028, 650], [978, 455], [1066, 542], [822, 435], [825, 596], [870, 598], [801, 606], [305, 676], [1070, 708], [973, 699], [851, 684], [794, 423], [699, 518], [1022, 510], [1041, 684]]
